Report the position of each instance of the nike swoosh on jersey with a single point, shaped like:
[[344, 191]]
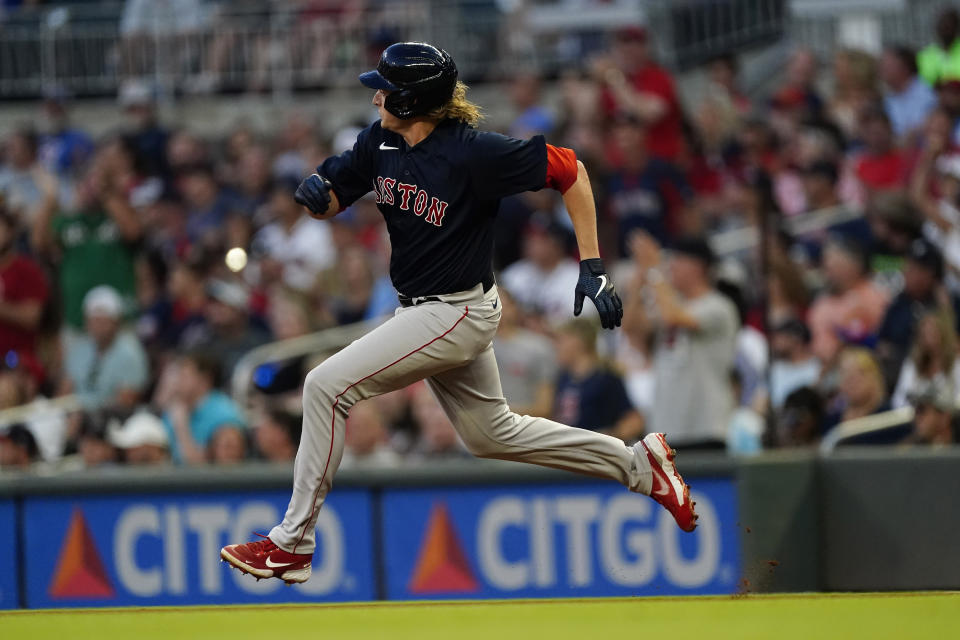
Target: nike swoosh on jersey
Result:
[[384, 147], [603, 285], [495, 303], [274, 565]]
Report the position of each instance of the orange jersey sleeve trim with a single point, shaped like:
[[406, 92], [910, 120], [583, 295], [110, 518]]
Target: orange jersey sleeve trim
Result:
[[561, 168]]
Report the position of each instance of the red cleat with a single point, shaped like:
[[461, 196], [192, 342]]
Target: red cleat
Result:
[[668, 488], [263, 559]]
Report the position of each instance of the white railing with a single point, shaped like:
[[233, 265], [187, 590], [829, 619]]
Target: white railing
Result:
[[319, 344], [282, 46], [827, 25], [29, 411], [876, 423]]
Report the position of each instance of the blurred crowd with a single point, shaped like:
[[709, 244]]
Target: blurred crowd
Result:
[[788, 263]]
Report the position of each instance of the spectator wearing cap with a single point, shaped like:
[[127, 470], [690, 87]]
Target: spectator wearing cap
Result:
[[934, 405], [794, 365], [23, 292], [909, 100], [933, 353], [526, 362], [18, 447], [137, 100], [642, 192], [198, 410], [633, 84], [941, 58], [922, 292], [695, 344], [852, 306], [141, 439], [296, 247], [541, 282], [227, 333], [93, 246], [589, 394], [106, 365]]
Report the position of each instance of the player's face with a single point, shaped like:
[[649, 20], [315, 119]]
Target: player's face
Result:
[[387, 120]]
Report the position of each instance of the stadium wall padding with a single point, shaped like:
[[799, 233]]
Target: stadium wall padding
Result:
[[782, 521], [890, 521]]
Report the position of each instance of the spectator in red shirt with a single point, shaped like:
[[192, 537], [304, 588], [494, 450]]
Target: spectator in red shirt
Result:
[[23, 292], [633, 84], [881, 166]]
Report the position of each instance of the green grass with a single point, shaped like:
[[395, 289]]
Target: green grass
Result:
[[809, 617]]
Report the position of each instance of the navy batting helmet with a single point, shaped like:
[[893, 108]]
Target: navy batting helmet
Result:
[[419, 76]]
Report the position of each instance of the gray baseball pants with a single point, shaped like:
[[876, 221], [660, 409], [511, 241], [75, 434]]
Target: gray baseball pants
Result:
[[450, 344]]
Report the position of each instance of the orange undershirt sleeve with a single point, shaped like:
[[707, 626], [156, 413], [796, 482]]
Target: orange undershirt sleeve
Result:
[[561, 168]]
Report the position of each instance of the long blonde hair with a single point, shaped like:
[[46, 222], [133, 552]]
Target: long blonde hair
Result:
[[459, 108]]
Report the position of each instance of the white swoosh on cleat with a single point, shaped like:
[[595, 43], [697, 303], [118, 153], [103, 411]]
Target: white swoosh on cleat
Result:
[[274, 565], [664, 490]]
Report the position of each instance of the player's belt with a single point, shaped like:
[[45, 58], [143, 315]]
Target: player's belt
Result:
[[412, 301]]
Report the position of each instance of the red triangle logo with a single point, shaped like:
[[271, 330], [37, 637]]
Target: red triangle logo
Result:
[[442, 566], [80, 572]]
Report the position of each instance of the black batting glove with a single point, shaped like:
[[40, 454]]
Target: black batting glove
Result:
[[595, 284], [314, 194]]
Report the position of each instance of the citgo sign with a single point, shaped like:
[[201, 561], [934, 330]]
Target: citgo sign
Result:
[[164, 550], [564, 540]]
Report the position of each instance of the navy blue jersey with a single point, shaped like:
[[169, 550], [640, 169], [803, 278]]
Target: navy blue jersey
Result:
[[439, 198]]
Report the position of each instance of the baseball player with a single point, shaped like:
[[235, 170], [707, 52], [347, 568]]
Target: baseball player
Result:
[[438, 182]]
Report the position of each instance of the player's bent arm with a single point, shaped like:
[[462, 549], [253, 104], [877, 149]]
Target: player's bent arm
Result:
[[582, 210]]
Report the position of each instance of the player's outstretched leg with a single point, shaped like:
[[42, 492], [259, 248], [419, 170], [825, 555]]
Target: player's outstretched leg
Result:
[[472, 398], [418, 342]]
